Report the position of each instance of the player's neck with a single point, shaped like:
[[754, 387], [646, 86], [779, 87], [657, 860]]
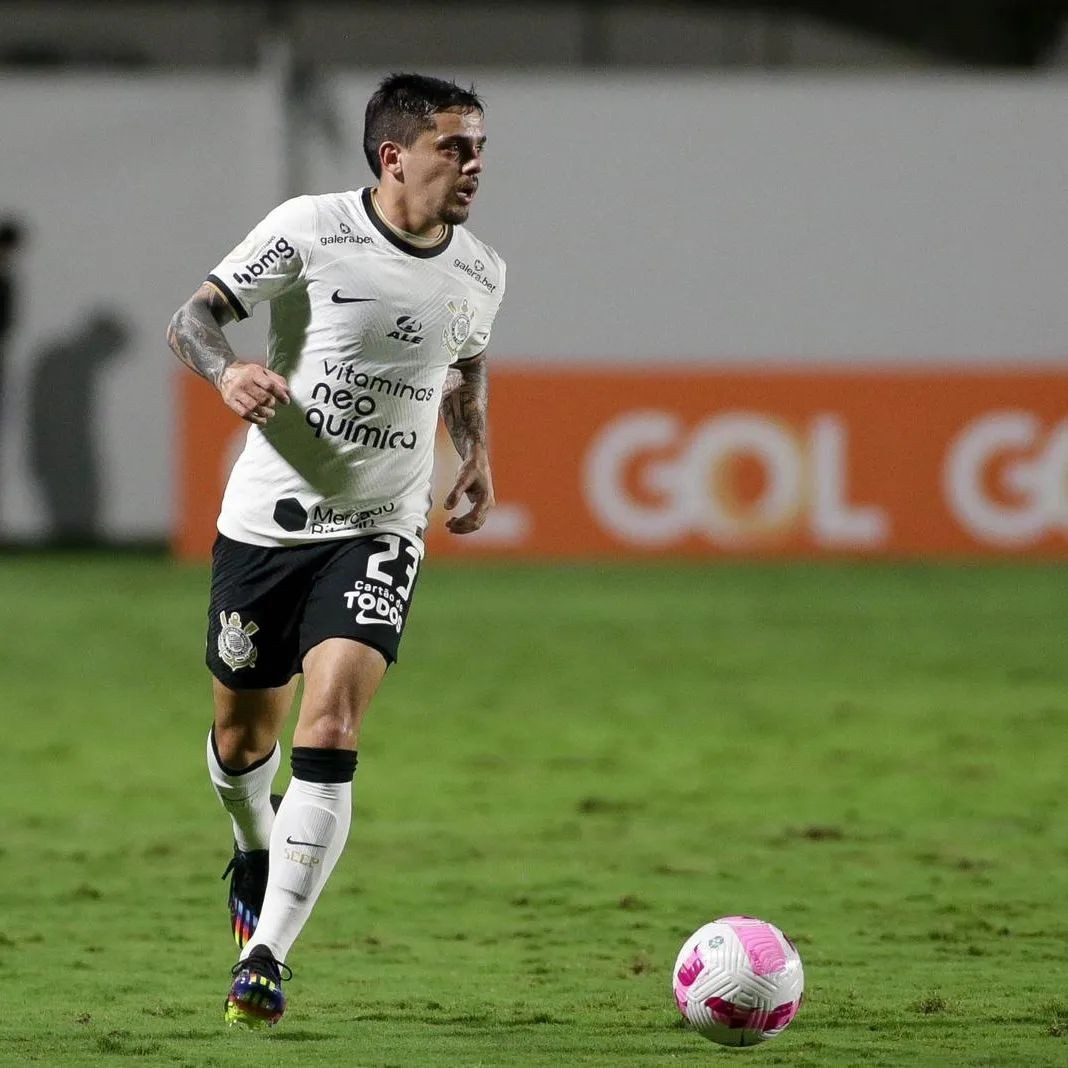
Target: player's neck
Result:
[[395, 214]]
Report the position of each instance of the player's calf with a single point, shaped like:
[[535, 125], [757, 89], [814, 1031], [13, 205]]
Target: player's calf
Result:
[[309, 834], [248, 883]]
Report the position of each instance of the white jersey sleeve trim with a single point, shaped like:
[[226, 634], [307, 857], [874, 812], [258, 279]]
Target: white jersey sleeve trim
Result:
[[273, 257], [480, 335]]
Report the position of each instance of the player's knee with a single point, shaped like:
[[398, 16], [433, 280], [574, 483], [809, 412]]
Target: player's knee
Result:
[[331, 730], [240, 744]]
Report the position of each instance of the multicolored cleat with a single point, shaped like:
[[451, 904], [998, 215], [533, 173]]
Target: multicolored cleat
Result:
[[248, 884], [256, 999]]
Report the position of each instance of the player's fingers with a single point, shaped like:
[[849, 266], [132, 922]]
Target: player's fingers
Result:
[[463, 524], [255, 395], [459, 525], [244, 398], [472, 520], [271, 383], [276, 386], [247, 408], [478, 514], [459, 488]]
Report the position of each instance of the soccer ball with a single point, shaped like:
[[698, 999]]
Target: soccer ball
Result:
[[738, 981]]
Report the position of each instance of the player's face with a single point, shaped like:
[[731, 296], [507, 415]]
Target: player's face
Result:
[[442, 167]]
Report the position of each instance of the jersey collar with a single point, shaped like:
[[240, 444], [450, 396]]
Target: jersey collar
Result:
[[395, 239]]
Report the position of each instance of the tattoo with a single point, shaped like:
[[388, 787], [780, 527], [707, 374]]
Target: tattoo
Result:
[[463, 404], [195, 334]]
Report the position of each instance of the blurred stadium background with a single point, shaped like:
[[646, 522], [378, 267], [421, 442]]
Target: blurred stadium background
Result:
[[770, 617], [752, 188]]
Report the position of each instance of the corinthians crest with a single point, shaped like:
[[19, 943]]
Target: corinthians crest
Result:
[[235, 642], [458, 328]]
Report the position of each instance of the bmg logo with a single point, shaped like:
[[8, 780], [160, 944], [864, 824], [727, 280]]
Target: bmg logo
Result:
[[280, 250], [1006, 478]]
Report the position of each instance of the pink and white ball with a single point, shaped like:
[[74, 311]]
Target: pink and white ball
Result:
[[738, 981]]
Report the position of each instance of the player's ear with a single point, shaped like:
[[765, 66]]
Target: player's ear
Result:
[[389, 155]]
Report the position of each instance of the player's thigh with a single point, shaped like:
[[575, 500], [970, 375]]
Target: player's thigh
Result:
[[341, 676], [254, 613], [364, 593], [353, 622]]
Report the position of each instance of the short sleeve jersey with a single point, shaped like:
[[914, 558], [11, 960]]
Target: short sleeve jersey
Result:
[[364, 326]]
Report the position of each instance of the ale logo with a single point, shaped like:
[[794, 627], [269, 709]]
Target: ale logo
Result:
[[408, 330]]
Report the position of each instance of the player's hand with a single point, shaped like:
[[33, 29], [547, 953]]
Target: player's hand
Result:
[[252, 391], [473, 480]]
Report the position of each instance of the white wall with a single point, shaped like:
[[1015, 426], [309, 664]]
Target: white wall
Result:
[[132, 190], [643, 219], [740, 218]]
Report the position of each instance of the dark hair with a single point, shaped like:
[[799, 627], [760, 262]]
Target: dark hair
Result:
[[403, 106]]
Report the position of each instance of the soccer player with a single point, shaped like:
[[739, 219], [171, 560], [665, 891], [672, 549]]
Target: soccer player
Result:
[[381, 310]]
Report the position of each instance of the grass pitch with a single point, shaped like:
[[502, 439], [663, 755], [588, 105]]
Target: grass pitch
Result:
[[569, 771]]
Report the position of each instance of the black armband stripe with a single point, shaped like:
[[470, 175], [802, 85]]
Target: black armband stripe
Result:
[[227, 292]]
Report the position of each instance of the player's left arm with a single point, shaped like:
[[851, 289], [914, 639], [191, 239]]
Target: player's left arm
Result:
[[463, 407]]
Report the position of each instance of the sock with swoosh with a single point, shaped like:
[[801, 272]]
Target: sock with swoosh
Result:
[[307, 838]]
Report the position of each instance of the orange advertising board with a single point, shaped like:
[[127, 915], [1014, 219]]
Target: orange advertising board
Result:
[[605, 462]]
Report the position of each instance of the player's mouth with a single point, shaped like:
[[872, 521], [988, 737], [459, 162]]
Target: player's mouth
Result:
[[466, 194]]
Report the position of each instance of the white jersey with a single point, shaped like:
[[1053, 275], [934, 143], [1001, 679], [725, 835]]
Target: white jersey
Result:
[[364, 326]]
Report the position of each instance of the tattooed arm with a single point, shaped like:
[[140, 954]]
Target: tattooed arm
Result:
[[195, 335], [463, 407]]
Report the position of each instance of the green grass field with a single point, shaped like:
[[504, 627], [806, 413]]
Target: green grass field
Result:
[[569, 771]]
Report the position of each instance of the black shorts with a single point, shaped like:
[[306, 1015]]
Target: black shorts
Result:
[[269, 606]]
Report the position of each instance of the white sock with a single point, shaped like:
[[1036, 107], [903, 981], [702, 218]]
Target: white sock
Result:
[[246, 795], [309, 833]]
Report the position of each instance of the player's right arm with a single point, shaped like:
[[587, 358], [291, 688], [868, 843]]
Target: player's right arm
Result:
[[270, 260], [196, 336]]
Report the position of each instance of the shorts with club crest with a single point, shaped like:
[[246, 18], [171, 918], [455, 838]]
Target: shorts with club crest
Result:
[[269, 606]]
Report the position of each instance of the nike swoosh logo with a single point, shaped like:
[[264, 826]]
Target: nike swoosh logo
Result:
[[314, 845], [361, 618], [337, 298]]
